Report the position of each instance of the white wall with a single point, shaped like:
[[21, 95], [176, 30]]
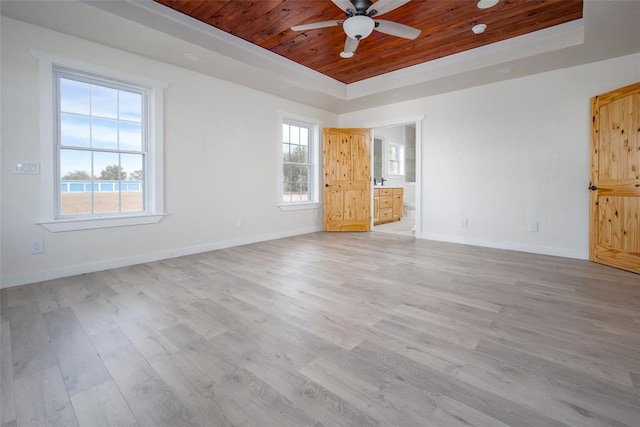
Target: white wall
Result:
[[510, 153], [221, 151]]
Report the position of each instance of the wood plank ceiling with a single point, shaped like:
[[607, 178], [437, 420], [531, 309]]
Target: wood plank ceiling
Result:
[[445, 25]]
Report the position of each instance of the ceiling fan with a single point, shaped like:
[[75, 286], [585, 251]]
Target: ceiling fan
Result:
[[359, 22]]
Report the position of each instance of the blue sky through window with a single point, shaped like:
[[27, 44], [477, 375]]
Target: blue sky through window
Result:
[[101, 117]]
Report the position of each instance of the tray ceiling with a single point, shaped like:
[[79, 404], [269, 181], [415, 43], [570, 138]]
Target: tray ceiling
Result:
[[445, 30], [608, 29]]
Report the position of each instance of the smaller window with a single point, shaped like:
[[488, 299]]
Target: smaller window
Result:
[[396, 159], [298, 162]]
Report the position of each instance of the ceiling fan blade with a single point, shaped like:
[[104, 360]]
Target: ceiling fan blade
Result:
[[316, 25], [395, 29], [384, 6], [344, 4]]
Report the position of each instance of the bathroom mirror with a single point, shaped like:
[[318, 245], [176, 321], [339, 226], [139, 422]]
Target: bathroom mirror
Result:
[[404, 135], [377, 158]]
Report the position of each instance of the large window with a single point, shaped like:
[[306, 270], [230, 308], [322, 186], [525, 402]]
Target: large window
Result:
[[102, 146], [101, 139], [298, 157]]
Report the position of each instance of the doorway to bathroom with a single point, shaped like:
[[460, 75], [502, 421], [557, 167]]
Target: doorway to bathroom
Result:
[[395, 166]]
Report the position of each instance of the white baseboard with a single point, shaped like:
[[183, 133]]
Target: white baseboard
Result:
[[510, 246], [40, 276]]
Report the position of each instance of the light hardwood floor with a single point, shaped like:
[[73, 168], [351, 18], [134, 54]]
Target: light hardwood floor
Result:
[[364, 329]]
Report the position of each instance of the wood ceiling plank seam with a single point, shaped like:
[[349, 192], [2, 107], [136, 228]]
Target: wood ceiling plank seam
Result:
[[241, 17], [233, 14], [270, 24]]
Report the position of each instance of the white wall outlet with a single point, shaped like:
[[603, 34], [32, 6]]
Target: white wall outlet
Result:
[[464, 222], [240, 221], [26, 168], [533, 227], [37, 246]]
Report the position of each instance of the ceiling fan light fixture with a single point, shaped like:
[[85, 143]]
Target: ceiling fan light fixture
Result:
[[358, 27], [346, 54]]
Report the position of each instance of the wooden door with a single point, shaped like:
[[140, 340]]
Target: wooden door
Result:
[[615, 179], [346, 159]]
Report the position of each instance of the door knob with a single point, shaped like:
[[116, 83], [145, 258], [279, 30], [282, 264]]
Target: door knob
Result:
[[326, 185], [593, 187]]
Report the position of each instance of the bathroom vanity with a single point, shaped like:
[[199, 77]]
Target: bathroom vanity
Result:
[[387, 204]]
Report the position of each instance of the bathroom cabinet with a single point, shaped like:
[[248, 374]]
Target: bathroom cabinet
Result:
[[387, 204]]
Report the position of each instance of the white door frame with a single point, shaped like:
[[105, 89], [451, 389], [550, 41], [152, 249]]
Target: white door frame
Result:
[[417, 120]]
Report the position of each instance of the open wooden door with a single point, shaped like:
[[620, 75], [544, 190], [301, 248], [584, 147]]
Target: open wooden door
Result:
[[615, 179], [346, 158]]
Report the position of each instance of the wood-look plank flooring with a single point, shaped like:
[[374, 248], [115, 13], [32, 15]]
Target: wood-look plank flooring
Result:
[[346, 329]]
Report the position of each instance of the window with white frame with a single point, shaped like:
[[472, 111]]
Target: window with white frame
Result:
[[395, 156], [101, 146], [101, 139], [298, 162]]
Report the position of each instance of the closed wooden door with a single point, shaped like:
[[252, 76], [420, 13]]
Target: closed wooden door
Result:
[[615, 179], [346, 158]]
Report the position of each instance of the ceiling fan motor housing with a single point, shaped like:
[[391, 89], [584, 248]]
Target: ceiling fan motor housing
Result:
[[358, 27], [361, 6]]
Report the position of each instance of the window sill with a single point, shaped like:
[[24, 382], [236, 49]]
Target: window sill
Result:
[[299, 206], [75, 224]]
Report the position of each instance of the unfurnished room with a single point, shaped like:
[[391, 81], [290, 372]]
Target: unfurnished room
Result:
[[277, 213]]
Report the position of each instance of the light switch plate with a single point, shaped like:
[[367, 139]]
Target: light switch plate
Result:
[[26, 168]]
